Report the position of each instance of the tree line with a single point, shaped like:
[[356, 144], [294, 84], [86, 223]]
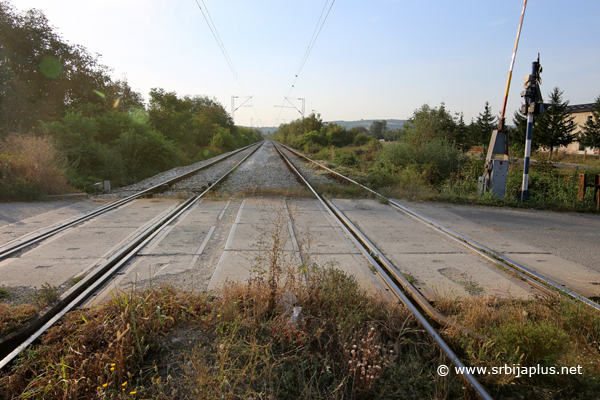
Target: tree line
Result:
[[101, 127], [555, 127]]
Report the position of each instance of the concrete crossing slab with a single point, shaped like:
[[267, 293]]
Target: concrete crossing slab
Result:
[[37, 272], [239, 266], [441, 268], [328, 245], [356, 265], [187, 234], [173, 257], [571, 274], [68, 253], [42, 222]]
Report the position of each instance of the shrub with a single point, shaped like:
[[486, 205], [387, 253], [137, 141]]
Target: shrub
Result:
[[348, 159], [224, 140], [318, 138], [30, 167], [145, 151], [438, 158], [362, 138]]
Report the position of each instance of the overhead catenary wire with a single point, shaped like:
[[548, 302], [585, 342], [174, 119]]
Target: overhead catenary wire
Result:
[[215, 33], [311, 44]]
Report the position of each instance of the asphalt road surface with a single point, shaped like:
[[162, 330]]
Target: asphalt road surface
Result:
[[574, 237]]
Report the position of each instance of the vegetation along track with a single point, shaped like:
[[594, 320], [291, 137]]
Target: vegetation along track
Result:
[[14, 343], [534, 278]]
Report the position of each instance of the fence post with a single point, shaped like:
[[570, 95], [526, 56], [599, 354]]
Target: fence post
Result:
[[597, 190], [582, 187]]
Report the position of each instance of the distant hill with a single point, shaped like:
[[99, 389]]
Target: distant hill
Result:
[[267, 130], [391, 123]]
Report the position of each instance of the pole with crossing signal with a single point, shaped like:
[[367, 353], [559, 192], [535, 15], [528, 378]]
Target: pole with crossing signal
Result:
[[533, 105]]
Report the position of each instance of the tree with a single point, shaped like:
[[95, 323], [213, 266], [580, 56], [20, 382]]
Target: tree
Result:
[[318, 138], [378, 129], [354, 132], [312, 123], [427, 124], [362, 138], [518, 135], [223, 140], [461, 136], [40, 74], [554, 126], [338, 135], [392, 135], [484, 125], [590, 136], [189, 121]]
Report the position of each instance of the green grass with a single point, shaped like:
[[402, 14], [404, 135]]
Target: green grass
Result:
[[410, 278], [4, 293], [74, 281]]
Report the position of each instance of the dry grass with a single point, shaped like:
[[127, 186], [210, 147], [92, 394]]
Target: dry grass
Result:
[[93, 353], [299, 330], [30, 167], [590, 160], [13, 315], [272, 192], [541, 332]]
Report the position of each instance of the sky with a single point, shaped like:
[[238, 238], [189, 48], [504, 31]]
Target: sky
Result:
[[372, 59]]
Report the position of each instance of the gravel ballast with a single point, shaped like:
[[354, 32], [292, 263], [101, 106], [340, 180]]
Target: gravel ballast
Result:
[[263, 170], [186, 188]]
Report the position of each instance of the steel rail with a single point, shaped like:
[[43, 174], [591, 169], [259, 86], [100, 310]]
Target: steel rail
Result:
[[481, 391], [94, 281], [7, 251], [532, 277]]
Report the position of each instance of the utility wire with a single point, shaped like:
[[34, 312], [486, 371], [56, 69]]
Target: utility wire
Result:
[[215, 33], [311, 44], [313, 40]]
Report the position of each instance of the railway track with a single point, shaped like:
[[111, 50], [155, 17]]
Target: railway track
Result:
[[83, 290], [355, 234], [149, 241], [546, 284], [20, 244]]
